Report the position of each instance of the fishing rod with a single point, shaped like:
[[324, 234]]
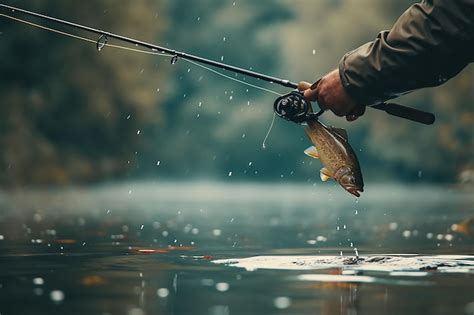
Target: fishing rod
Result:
[[292, 106]]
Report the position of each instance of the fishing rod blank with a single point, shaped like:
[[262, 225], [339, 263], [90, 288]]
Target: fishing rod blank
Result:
[[398, 110]]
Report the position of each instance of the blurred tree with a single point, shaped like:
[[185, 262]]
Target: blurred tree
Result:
[[69, 113]]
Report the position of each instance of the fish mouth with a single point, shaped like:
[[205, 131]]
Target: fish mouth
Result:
[[354, 190]]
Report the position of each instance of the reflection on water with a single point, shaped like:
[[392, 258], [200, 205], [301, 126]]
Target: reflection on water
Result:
[[141, 248]]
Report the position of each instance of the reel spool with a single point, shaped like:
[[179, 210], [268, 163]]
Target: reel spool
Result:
[[294, 107]]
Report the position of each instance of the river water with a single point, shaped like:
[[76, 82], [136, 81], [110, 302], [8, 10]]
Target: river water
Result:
[[221, 248]]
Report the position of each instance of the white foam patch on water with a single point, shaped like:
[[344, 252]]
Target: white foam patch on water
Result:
[[337, 278], [395, 265]]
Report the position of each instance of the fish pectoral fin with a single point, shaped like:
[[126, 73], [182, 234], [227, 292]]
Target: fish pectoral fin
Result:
[[312, 152], [341, 132], [325, 174]]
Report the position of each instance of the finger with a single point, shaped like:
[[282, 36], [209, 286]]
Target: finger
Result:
[[303, 85], [311, 95], [351, 117], [315, 85], [355, 113]]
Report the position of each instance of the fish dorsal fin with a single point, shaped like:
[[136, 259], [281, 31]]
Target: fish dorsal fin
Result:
[[312, 152], [341, 132], [325, 174]]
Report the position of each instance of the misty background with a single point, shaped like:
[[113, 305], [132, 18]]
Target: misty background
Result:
[[72, 115]]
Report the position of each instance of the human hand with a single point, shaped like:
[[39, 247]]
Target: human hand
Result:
[[330, 94]]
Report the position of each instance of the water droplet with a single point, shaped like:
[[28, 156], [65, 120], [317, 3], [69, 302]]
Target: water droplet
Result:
[[224, 39], [216, 232], [321, 238], [138, 132], [222, 58], [222, 286], [314, 51], [38, 281], [282, 302], [230, 174], [163, 292], [57, 296]]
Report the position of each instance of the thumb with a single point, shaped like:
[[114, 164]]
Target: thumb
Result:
[[303, 85]]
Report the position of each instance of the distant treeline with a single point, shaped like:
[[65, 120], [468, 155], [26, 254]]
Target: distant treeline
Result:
[[70, 114]]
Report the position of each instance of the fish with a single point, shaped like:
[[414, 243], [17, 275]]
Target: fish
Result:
[[331, 146]]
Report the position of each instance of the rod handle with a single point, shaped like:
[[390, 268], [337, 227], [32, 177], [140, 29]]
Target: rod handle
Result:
[[406, 112]]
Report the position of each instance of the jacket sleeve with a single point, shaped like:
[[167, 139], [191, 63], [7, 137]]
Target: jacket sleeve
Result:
[[430, 43]]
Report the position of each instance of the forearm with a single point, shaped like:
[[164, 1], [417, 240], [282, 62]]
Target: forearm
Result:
[[430, 43]]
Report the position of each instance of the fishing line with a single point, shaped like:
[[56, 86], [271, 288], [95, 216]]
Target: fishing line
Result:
[[233, 79], [264, 146], [138, 51], [155, 54], [83, 38], [264, 143]]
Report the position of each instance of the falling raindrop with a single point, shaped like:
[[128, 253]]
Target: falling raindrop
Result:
[[163, 292], [222, 286], [57, 296], [282, 302]]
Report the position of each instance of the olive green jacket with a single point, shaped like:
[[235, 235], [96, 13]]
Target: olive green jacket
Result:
[[429, 44]]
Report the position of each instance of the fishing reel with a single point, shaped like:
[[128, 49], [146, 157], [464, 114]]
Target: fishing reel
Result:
[[294, 107]]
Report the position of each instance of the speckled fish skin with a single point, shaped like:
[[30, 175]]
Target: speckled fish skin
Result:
[[337, 156]]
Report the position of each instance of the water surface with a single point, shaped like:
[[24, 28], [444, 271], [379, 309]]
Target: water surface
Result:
[[151, 248]]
